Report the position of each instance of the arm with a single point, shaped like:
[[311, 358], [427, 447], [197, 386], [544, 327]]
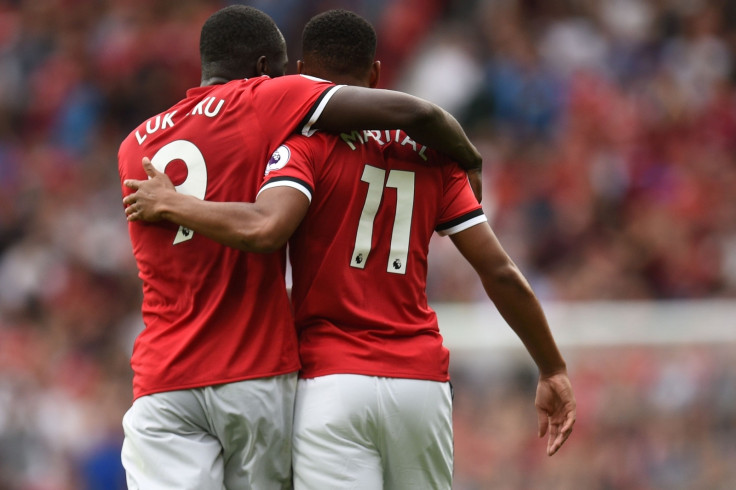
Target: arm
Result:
[[358, 108], [263, 226], [515, 300]]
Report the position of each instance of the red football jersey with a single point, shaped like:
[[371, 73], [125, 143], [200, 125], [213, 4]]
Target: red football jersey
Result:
[[213, 314], [359, 258]]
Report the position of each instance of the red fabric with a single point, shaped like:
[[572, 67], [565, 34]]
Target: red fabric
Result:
[[370, 321], [213, 314]]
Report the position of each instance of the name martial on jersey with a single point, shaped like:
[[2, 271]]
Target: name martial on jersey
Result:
[[383, 138]]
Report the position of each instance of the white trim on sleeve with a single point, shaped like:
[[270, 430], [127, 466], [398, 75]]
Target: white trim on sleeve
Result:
[[464, 225], [287, 183]]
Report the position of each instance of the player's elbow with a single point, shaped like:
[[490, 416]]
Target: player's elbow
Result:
[[410, 113], [423, 114], [506, 276]]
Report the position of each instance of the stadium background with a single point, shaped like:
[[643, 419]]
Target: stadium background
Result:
[[608, 131]]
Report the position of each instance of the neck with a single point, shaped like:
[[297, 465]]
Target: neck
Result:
[[213, 81], [341, 78]]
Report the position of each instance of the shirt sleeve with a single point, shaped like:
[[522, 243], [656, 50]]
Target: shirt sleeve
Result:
[[291, 165], [460, 209], [292, 99]]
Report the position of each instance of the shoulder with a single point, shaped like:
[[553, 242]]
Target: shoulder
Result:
[[316, 144], [288, 81]]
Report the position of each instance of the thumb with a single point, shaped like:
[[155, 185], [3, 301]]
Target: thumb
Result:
[[149, 168]]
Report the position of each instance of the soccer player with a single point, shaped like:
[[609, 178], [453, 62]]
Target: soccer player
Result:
[[215, 366], [373, 405]]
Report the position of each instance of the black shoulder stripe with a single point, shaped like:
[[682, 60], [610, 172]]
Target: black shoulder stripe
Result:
[[286, 178], [460, 219]]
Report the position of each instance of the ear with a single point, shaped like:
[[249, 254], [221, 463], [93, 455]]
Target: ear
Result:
[[262, 66], [299, 67], [375, 74]]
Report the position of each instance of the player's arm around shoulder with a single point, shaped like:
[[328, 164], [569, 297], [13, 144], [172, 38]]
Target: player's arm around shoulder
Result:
[[364, 108]]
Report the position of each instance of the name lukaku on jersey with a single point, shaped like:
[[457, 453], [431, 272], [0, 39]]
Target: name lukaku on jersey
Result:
[[209, 107], [382, 138]]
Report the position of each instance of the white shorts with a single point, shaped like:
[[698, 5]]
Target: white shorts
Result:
[[372, 433], [232, 436]]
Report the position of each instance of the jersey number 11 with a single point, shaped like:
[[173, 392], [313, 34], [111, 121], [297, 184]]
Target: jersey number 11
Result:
[[403, 182]]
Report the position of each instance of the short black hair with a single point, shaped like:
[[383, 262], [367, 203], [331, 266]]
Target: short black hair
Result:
[[233, 38], [340, 41]]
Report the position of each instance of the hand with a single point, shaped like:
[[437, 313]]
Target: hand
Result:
[[145, 203], [556, 409]]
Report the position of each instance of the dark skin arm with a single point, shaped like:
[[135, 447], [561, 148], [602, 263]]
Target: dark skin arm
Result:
[[513, 297], [262, 226], [426, 123]]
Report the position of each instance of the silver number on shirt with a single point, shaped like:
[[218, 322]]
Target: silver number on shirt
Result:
[[403, 182], [195, 183]]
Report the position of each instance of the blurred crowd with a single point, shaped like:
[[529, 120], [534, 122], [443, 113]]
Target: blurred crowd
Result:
[[655, 418], [608, 130]]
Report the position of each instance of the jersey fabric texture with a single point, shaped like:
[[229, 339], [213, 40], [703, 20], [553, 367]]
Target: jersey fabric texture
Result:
[[213, 314], [359, 257]]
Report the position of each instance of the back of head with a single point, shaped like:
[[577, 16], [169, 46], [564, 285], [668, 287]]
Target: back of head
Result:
[[234, 38], [337, 43]]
